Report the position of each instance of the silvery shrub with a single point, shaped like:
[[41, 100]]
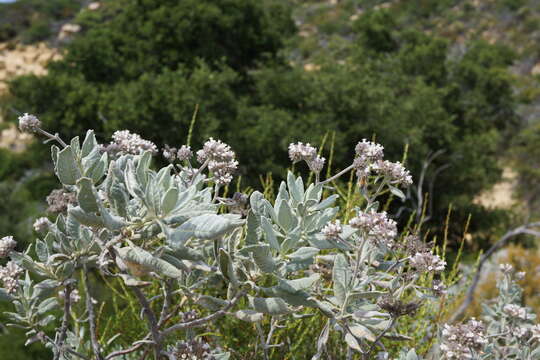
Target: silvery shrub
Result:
[[276, 259]]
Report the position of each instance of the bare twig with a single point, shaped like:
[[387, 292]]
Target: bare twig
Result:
[[135, 347], [152, 321], [469, 297], [342, 172], [204, 320], [65, 322]]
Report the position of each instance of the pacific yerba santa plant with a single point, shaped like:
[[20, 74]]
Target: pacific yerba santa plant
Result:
[[171, 230]]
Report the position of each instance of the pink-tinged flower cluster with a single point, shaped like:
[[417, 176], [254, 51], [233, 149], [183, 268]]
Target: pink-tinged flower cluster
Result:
[[125, 142], [377, 226], [427, 262], [306, 152], [369, 158], [221, 160], [462, 341], [9, 275], [7, 244], [332, 230]]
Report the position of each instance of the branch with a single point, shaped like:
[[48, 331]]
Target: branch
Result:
[[201, 321], [469, 297], [65, 322], [152, 321], [344, 171], [91, 316], [128, 350]]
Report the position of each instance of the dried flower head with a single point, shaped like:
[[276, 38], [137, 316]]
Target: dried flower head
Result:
[[9, 275], [59, 200], [42, 224], [438, 288], [377, 226], [462, 340], [169, 153], [124, 142], [412, 244], [398, 308], [332, 230], [427, 262], [7, 244], [29, 123]]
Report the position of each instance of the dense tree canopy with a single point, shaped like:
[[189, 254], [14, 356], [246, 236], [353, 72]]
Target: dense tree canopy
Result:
[[147, 64]]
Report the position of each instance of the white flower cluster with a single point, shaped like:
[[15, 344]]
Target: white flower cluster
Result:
[[42, 224], [125, 142], [196, 349], [460, 341], [369, 157], [221, 160], [9, 275], [515, 311], [427, 262], [306, 152], [7, 244], [29, 123], [394, 171], [74, 296], [332, 230], [377, 226]]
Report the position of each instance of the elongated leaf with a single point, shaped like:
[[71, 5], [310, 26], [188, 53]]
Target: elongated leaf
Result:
[[296, 193], [148, 262], [270, 234], [205, 227], [340, 276], [253, 234]]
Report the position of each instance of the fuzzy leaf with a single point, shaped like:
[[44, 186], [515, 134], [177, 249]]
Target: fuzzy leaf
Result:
[[148, 262], [272, 306], [66, 167], [249, 315], [270, 234], [86, 195]]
